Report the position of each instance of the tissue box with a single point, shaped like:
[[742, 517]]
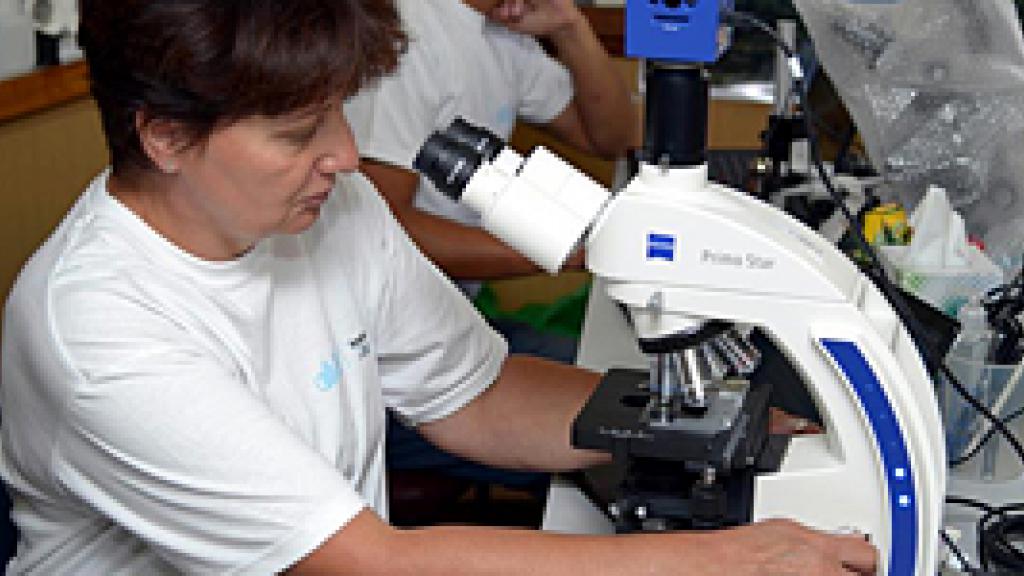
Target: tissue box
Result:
[[947, 289]]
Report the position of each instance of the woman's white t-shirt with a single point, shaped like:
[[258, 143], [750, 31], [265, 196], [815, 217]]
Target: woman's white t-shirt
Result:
[[163, 413]]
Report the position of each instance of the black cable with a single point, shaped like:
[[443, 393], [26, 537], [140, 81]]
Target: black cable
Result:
[[981, 534], [984, 411], [874, 269], [995, 547], [959, 461], [964, 564], [737, 17], [997, 526], [845, 144], [1003, 307], [970, 503]]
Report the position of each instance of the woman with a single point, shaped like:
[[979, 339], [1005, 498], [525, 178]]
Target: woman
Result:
[[196, 363]]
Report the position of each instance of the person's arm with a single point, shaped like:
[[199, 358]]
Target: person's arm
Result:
[[367, 546], [522, 421], [600, 119], [462, 252]]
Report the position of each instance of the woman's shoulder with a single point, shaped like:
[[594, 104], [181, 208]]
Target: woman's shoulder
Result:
[[356, 227], [356, 200]]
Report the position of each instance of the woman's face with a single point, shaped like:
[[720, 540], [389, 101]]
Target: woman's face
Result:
[[262, 176]]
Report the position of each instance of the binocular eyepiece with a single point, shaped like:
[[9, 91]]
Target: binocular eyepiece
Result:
[[541, 206], [450, 158]]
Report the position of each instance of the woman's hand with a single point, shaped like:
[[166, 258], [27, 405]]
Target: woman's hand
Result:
[[780, 422]]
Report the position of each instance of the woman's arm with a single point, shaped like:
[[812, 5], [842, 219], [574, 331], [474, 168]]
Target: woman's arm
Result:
[[367, 546], [523, 420]]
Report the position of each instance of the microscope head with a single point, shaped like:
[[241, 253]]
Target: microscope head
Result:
[[539, 205]]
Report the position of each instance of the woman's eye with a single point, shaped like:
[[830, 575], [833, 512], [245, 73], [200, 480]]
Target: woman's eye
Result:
[[300, 136]]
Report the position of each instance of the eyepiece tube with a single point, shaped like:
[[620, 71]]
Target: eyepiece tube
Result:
[[540, 206], [448, 163], [486, 143]]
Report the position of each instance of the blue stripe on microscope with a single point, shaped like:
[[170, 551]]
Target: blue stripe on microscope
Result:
[[895, 456]]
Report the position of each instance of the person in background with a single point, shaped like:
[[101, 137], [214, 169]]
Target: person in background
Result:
[[481, 60], [197, 362]]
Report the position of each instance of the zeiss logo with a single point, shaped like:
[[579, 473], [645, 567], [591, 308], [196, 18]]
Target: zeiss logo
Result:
[[661, 247]]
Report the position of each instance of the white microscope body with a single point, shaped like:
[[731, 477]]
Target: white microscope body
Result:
[[678, 250], [685, 257]]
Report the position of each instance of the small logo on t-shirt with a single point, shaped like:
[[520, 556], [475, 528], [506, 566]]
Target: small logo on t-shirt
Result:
[[330, 373], [361, 345], [506, 118]]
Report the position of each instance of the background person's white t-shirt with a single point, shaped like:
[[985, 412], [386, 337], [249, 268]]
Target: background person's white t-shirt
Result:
[[457, 65], [164, 414]]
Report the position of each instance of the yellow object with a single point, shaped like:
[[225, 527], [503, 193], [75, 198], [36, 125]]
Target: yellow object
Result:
[[887, 225]]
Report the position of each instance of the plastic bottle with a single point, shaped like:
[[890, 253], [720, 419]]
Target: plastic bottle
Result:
[[967, 360], [975, 336]]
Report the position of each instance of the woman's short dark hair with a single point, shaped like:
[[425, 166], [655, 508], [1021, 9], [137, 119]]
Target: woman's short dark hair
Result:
[[206, 63]]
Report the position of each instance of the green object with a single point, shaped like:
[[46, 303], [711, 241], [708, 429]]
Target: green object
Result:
[[563, 316]]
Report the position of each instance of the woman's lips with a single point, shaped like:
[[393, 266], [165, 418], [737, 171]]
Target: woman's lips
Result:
[[315, 201]]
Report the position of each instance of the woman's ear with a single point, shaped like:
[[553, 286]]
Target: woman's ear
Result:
[[163, 141]]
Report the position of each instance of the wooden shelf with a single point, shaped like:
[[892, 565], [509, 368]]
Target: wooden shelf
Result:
[[52, 86], [43, 89]]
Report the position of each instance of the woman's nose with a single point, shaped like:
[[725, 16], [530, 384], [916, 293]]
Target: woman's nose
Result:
[[340, 152]]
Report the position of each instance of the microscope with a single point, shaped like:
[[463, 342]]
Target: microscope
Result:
[[697, 266]]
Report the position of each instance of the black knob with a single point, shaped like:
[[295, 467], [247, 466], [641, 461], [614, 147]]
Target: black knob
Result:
[[448, 163], [486, 143]]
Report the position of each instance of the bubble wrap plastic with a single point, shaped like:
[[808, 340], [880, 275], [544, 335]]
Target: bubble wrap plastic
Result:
[[936, 88]]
